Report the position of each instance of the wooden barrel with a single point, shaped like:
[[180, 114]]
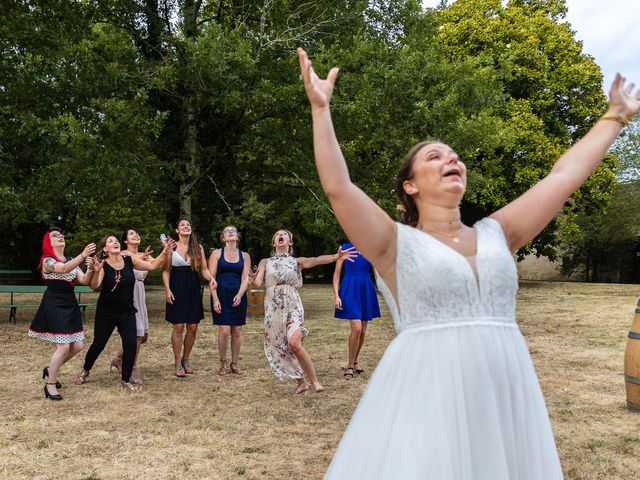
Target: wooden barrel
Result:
[[255, 302], [632, 364]]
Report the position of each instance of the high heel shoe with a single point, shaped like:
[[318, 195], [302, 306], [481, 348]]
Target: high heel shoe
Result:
[[45, 374], [55, 397], [116, 363]]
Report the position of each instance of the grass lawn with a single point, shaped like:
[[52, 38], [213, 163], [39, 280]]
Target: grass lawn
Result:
[[207, 426]]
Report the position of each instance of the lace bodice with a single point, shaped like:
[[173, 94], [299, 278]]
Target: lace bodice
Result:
[[282, 269], [437, 287]]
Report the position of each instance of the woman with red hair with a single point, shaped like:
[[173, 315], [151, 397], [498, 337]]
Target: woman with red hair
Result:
[[58, 320]]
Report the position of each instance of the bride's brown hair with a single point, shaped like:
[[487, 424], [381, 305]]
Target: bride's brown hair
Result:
[[408, 209]]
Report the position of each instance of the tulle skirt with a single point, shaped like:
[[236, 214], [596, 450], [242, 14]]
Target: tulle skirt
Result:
[[455, 403]]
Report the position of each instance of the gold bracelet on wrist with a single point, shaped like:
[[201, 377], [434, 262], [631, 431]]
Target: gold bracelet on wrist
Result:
[[616, 117]]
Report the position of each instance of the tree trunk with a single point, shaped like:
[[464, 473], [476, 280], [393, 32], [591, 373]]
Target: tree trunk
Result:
[[192, 166]]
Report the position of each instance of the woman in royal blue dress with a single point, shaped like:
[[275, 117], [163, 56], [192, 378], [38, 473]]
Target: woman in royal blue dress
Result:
[[230, 267], [355, 300]]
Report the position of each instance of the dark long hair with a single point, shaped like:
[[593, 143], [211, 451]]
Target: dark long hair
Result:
[[123, 239], [193, 248], [408, 209]]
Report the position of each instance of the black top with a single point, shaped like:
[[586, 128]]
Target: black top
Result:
[[117, 286]]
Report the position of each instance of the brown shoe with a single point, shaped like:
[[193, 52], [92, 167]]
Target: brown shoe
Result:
[[223, 367], [236, 369]]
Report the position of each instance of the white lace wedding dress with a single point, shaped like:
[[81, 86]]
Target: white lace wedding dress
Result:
[[455, 396]]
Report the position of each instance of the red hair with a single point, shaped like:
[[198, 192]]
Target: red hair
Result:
[[47, 249]]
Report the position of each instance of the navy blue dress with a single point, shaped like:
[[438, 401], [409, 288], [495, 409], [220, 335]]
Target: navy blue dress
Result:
[[357, 292], [187, 289], [229, 277]]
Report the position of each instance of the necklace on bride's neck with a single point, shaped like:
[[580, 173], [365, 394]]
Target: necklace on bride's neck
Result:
[[453, 236]]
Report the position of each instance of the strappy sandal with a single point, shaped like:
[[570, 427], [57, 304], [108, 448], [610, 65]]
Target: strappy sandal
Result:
[[130, 387], [235, 368], [348, 373], [82, 378], [357, 369], [180, 373], [223, 368], [186, 367]]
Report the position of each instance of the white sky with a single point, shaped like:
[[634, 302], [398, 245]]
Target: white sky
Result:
[[609, 31]]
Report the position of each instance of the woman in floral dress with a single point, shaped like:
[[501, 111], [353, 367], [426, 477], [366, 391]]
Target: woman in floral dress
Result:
[[284, 327]]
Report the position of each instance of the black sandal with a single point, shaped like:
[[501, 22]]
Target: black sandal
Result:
[[357, 369], [347, 373]]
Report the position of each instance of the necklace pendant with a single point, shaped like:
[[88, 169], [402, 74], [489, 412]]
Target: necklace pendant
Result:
[[455, 239]]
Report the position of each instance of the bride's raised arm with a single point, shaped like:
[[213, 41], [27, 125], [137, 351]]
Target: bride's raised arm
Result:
[[370, 229], [526, 216]]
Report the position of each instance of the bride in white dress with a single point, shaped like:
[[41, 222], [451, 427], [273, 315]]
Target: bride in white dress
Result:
[[455, 395]]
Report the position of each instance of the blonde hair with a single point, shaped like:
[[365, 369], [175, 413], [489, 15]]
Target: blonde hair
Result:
[[273, 244]]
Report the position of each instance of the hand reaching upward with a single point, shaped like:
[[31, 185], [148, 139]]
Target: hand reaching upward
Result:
[[318, 91], [622, 98]]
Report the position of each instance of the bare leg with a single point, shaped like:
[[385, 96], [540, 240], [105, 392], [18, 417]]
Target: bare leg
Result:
[[302, 386], [295, 344], [354, 341], [57, 360], [223, 341], [362, 334], [74, 349], [176, 345], [189, 340], [236, 342]]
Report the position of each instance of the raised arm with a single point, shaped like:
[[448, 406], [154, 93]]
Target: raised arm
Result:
[[527, 215], [66, 267], [139, 263], [98, 274], [369, 228], [310, 262], [85, 278]]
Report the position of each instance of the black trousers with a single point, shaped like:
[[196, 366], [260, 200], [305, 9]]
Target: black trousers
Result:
[[105, 324]]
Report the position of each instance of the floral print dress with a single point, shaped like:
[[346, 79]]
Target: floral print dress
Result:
[[283, 314]]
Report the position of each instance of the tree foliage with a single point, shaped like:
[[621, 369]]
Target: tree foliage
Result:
[[138, 112]]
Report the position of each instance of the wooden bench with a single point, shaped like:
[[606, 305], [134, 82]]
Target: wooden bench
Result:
[[14, 290]]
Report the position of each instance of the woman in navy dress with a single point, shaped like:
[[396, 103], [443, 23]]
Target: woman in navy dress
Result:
[[356, 300], [183, 292], [230, 267]]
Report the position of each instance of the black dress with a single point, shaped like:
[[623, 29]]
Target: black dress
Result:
[[58, 319]]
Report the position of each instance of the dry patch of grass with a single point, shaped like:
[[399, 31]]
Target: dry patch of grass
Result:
[[206, 426]]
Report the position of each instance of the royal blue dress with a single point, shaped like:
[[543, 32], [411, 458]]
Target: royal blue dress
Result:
[[229, 278], [357, 292]]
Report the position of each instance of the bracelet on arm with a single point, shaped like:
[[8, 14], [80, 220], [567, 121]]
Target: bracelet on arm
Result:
[[616, 117]]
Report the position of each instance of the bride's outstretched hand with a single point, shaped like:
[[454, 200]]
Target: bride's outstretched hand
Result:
[[319, 91], [623, 100]]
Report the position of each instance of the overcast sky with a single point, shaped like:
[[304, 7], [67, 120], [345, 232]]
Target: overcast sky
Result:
[[610, 32]]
